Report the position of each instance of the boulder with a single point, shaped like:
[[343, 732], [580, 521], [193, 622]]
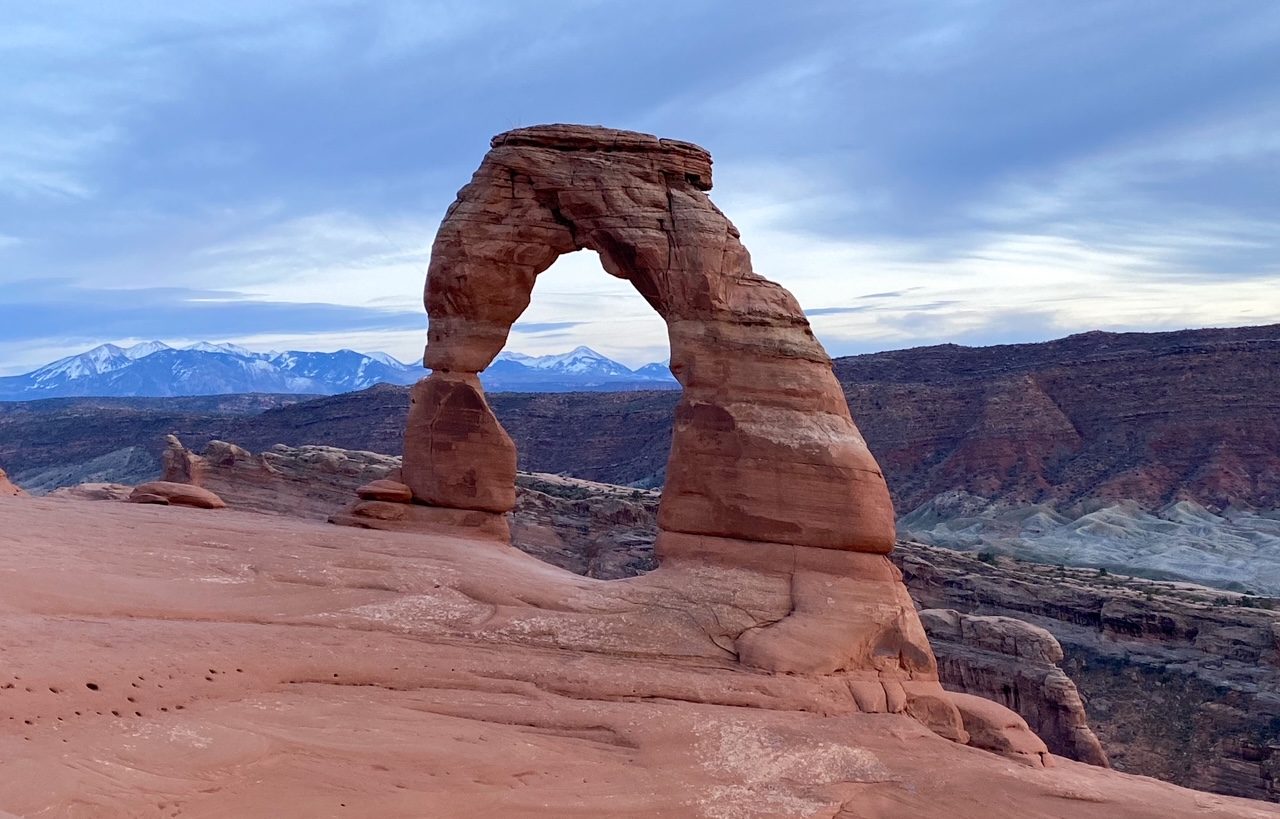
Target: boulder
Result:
[[385, 490], [992, 727], [94, 492], [176, 494]]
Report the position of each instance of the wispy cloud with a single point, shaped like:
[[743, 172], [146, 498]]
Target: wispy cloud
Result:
[[915, 172]]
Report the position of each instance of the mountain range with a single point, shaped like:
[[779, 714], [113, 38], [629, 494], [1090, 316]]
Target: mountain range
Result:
[[154, 369]]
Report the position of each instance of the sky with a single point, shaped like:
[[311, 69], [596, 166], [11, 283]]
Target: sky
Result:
[[969, 171]]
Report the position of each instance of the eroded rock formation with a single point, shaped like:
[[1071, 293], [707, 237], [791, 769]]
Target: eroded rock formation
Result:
[[1182, 682], [7, 488], [768, 477], [1015, 664], [168, 493], [764, 448]]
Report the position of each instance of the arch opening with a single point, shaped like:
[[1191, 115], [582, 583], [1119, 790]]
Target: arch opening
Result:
[[592, 439], [763, 447]]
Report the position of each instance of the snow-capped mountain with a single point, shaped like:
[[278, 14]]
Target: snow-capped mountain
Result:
[[580, 369], [154, 369], [657, 371], [157, 370]]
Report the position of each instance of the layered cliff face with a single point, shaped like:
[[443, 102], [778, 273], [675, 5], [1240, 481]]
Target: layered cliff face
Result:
[[1181, 682], [1148, 417], [1016, 664]]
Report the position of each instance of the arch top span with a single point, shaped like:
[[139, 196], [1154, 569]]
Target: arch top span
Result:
[[764, 448], [685, 158]]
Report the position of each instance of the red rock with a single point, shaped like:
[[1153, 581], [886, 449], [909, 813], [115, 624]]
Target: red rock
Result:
[[385, 490], [456, 454], [1014, 663], [993, 727], [179, 464], [177, 494], [256, 666], [7, 488], [767, 471], [148, 498], [93, 492], [764, 447], [419, 519]]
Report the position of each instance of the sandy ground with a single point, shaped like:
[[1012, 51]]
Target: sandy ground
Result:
[[164, 662]]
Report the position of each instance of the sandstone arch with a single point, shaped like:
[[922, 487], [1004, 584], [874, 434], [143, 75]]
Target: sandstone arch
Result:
[[775, 520], [764, 448]]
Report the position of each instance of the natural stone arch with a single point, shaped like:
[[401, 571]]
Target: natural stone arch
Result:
[[764, 448], [765, 462]]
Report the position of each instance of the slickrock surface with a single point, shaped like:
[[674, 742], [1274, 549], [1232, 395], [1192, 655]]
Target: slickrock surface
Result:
[[1211, 722], [1181, 682], [168, 662], [763, 448]]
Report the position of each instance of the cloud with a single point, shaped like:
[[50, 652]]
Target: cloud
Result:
[[966, 171], [833, 311], [545, 326], [79, 316]]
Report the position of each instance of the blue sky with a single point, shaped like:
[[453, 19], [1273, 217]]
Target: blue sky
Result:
[[916, 172]]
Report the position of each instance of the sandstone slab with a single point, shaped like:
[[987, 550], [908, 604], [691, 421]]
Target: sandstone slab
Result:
[[385, 490], [175, 494], [253, 666]]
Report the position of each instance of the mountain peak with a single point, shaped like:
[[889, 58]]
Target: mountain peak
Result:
[[225, 348], [145, 349]]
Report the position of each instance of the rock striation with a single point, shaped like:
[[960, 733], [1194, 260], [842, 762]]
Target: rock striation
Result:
[[1208, 688], [1182, 682]]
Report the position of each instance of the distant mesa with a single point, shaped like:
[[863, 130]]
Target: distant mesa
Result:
[[156, 370]]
